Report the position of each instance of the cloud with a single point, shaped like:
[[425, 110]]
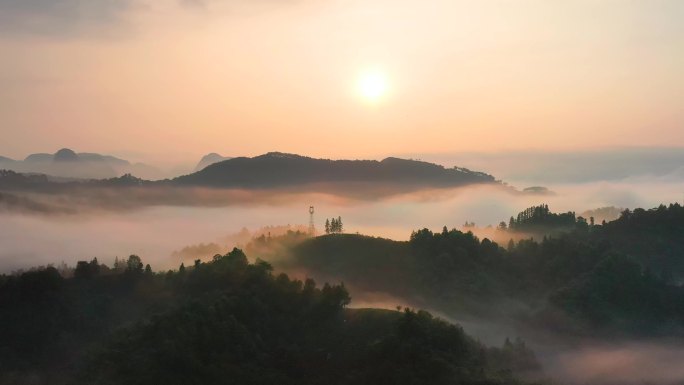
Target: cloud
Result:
[[201, 250], [581, 166], [83, 18], [632, 363], [62, 17]]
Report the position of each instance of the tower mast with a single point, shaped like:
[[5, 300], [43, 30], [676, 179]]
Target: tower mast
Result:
[[312, 227]]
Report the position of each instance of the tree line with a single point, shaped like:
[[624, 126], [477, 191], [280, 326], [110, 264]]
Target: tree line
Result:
[[334, 226]]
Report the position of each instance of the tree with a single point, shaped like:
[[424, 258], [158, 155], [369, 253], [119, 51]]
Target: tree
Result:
[[327, 226], [502, 225], [134, 264], [334, 226], [82, 270], [119, 265], [87, 269]]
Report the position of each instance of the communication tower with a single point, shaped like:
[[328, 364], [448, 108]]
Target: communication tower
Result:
[[312, 227]]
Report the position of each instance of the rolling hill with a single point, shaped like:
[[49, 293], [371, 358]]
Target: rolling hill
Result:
[[276, 169]]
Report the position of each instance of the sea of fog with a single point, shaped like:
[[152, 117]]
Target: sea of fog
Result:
[[154, 233], [157, 233]]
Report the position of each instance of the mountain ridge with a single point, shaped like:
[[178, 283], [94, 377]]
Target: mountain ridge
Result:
[[210, 159], [66, 163], [282, 169]]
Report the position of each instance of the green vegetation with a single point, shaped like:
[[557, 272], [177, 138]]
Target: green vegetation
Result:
[[229, 321], [603, 280], [540, 218], [334, 226], [224, 322]]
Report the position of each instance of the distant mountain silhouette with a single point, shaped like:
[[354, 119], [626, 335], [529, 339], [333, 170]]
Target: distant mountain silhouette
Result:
[[40, 157], [69, 164], [277, 169], [92, 157], [210, 159], [66, 155]]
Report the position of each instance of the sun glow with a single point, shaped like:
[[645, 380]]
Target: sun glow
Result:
[[372, 85]]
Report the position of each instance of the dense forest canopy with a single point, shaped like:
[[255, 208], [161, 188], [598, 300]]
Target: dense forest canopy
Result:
[[226, 321], [622, 277]]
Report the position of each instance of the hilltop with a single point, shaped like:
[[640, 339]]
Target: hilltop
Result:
[[276, 169], [621, 278]]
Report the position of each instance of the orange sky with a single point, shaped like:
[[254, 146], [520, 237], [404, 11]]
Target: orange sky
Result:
[[158, 79]]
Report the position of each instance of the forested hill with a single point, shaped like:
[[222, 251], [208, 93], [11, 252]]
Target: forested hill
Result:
[[278, 169], [225, 322], [604, 280]]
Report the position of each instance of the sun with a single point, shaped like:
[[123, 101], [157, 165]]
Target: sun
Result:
[[372, 85]]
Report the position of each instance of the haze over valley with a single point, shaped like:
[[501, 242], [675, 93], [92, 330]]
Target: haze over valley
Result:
[[341, 192], [269, 190]]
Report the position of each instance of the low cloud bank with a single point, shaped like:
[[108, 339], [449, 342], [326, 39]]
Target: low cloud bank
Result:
[[648, 164], [153, 223]]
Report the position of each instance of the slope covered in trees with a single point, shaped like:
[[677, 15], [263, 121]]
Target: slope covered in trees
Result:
[[223, 322], [618, 278], [229, 321]]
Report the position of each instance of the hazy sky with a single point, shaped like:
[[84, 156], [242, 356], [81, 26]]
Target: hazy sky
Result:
[[149, 79]]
